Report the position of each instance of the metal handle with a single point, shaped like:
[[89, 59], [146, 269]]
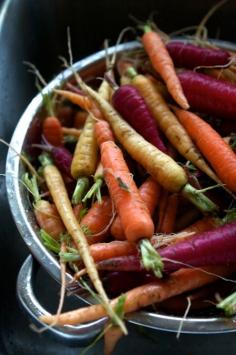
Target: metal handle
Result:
[[82, 334]]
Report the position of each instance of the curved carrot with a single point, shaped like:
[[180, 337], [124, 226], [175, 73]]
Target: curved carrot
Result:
[[163, 64], [178, 282], [95, 223], [150, 193], [52, 131], [134, 215], [213, 147]]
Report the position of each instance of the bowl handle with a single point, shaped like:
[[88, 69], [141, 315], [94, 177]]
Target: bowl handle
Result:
[[80, 335]]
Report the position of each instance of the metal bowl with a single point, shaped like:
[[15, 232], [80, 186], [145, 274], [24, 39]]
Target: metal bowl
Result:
[[24, 218]]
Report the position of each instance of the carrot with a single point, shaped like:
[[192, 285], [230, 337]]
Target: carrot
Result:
[[168, 123], [83, 101], [95, 223], [219, 154], [177, 283], [162, 167], [71, 131], [85, 155], [168, 222], [52, 131], [60, 197], [103, 132], [163, 64], [150, 193], [102, 251], [134, 215], [213, 247], [45, 212]]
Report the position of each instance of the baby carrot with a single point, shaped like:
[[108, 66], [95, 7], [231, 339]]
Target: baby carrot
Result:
[[150, 193], [95, 223], [134, 215], [163, 64], [219, 154]]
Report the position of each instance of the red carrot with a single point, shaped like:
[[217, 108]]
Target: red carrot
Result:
[[209, 95], [190, 56], [132, 107]]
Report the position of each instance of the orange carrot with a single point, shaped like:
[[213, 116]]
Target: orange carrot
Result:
[[95, 223], [48, 218], [103, 132], [135, 217], [103, 251], [177, 283], [150, 193], [81, 100], [52, 131], [168, 221], [217, 152], [163, 64]]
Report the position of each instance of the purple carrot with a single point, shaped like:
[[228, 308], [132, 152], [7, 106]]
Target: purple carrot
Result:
[[132, 107], [209, 95], [214, 247], [190, 56], [62, 157]]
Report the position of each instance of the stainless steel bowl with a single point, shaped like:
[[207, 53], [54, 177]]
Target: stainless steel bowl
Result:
[[28, 228]]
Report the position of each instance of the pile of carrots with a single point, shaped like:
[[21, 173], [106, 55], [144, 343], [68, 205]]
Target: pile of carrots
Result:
[[139, 181]]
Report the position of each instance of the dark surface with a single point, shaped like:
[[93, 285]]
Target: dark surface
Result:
[[36, 31]]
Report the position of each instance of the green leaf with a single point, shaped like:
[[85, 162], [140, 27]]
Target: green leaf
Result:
[[32, 186]]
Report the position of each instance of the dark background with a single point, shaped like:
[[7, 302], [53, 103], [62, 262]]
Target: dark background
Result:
[[35, 30]]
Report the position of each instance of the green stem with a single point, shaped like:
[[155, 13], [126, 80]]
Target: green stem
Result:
[[49, 242], [228, 305], [80, 189], [32, 186], [202, 202], [45, 159], [150, 258], [131, 72], [147, 28], [94, 190]]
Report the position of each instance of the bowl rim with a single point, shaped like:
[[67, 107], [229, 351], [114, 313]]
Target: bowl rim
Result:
[[28, 229]]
